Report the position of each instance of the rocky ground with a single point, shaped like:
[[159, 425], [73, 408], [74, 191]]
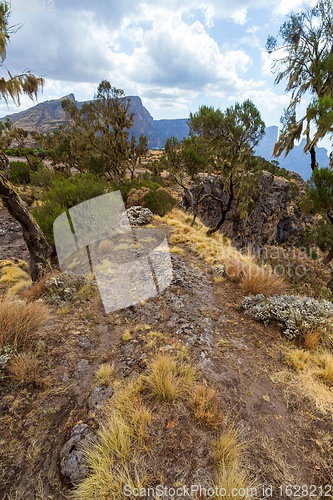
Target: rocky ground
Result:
[[288, 437]]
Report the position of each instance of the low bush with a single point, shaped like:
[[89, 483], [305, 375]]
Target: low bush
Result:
[[159, 201], [19, 172], [65, 194], [168, 380], [296, 315], [147, 194], [43, 177]]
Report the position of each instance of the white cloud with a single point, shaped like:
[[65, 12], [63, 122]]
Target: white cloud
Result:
[[239, 16], [286, 6]]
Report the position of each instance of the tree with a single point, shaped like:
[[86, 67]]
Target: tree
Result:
[[137, 151], [22, 139], [230, 137], [186, 160], [24, 83], [28, 84], [103, 126], [307, 64], [306, 61]]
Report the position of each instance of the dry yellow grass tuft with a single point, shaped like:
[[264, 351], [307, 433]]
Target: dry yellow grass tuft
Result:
[[113, 458], [21, 322], [168, 379], [231, 479], [212, 249], [205, 406], [105, 373], [325, 362], [23, 368], [256, 280], [312, 338], [298, 359], [15, 274], [233, 482], [177, 250], [228, 449]]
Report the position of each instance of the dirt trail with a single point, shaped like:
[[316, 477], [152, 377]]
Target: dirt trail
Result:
[[287, 437]]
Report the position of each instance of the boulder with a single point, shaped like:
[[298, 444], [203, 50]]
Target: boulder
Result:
[[73, 466], [137, 216]]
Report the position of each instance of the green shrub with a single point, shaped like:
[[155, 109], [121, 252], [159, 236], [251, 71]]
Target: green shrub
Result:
[[320, 234], [43, 177], [19, 172], [150, 176], [159, 201], [64, 194], [14, 152]]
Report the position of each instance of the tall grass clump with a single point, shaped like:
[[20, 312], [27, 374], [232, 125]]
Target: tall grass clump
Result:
[[21, 322], [168, 379], [256, 280], [231, 478], [116, 459]]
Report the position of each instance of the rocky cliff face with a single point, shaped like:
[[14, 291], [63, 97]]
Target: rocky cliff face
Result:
[[275, 218]]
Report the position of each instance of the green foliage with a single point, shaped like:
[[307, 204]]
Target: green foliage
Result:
[[96, 138], [306, 62], [43, 177], [226, 141], [150, 176], [319, 194], [126, 186], [159, 201], [319, 235], [14, 152], [64, 194], [19, 172]]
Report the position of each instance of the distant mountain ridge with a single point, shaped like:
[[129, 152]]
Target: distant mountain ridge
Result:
[[48, 115]]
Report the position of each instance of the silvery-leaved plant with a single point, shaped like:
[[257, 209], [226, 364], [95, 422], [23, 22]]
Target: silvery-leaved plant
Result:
[[294, 314]]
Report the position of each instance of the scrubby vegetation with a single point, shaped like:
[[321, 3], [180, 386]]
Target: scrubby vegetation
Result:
[[297, 315]]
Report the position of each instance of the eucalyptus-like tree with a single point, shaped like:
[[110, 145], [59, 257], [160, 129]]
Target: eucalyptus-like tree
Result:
[[305, 59], [303, 53], [229, 137], [13, 87], [102, 125]]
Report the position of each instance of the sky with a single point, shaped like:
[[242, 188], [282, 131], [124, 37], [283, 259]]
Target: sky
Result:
[[175, 55]]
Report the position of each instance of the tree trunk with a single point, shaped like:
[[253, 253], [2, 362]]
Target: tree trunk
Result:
[[313, 158], [196, 206], [224, 212], [34, 237]]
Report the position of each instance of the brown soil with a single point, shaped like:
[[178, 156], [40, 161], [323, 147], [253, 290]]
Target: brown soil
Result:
[[288, 439]]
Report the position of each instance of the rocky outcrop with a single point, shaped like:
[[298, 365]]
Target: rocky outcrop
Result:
[[276, 215], [73, 464]]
